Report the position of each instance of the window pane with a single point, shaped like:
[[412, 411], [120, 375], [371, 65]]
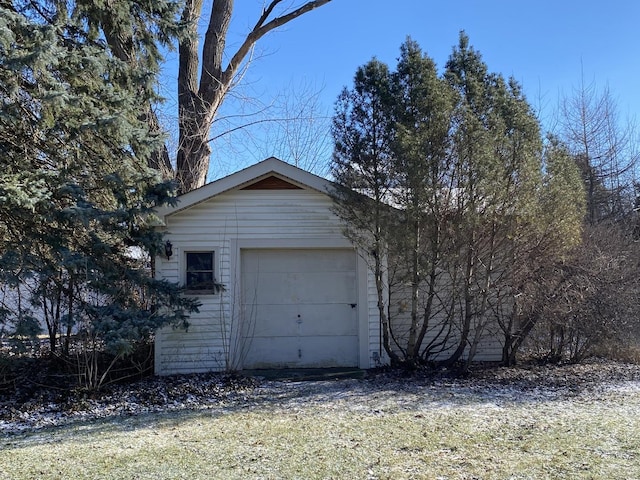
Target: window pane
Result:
[[200, 271], [199, 280], [197, 261]]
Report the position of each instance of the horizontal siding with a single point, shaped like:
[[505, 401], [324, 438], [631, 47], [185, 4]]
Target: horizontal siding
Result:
[[490, 343], [196, 329], [248, 214], [489, 346], [215, 224], [378, 356], [488, 349], [198, 348]]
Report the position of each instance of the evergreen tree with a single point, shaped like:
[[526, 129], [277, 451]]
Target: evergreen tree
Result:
[[498, 156], [545, 236], [76, 194], [467, 198], [363, 166], [423, 107]]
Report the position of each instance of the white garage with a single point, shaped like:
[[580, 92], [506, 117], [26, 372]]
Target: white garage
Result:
[[300, 308], [297, 294]]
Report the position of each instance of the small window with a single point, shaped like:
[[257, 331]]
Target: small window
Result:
[[200, 271]]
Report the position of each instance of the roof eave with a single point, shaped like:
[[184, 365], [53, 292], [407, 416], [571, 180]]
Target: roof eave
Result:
[[246, 176]]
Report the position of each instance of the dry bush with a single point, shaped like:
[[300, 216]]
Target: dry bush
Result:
[[594, 305]]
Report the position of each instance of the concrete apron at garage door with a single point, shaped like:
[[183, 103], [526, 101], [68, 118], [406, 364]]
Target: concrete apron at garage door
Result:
[[299, 308], [307, 374]]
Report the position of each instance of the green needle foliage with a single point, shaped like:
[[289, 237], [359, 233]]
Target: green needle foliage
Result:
[[456, 201], [76, 195]]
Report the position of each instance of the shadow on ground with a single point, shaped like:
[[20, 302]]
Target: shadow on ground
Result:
[[306, 374]]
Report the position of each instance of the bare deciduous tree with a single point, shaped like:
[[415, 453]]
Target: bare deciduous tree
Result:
[[589, 299], [203, 82], [605, 149], [294, 127]]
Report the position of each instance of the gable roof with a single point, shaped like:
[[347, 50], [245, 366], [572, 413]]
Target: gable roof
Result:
[[253, 175]]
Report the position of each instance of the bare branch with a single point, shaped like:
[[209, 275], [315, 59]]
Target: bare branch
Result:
[[266, 13], [262, 29], [246, 125], [198, 107]]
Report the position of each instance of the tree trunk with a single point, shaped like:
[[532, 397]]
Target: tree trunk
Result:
[[412, 348], [384, 318], [433, 279], [199, 101], [192, 162], [159, 160], [70, 312], [468, 313]]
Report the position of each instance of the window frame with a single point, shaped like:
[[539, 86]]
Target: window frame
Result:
[[185, 271]]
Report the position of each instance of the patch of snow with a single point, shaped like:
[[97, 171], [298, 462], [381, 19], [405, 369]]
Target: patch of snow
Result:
[[489, 390]]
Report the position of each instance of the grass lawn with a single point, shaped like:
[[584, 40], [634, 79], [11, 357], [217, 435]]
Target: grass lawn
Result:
[[597, 438]]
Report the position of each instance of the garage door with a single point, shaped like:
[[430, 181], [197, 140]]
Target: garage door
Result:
[[299, 308]]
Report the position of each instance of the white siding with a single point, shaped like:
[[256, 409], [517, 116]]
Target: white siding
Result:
[[488, 348], [226, 224], [379, 356], [248, 219]]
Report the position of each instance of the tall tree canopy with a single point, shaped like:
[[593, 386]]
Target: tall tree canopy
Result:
[[362, 162], [451, 199], [76, 191], [136, 31], [207, 71]]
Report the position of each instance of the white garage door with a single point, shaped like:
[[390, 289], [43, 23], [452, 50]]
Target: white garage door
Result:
[[299, 308]]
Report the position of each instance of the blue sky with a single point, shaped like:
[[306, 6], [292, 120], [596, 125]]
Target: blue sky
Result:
[[548, 46]]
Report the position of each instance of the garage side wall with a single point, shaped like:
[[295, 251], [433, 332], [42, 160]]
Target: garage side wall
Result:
[[225, 224], [443, 334]]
